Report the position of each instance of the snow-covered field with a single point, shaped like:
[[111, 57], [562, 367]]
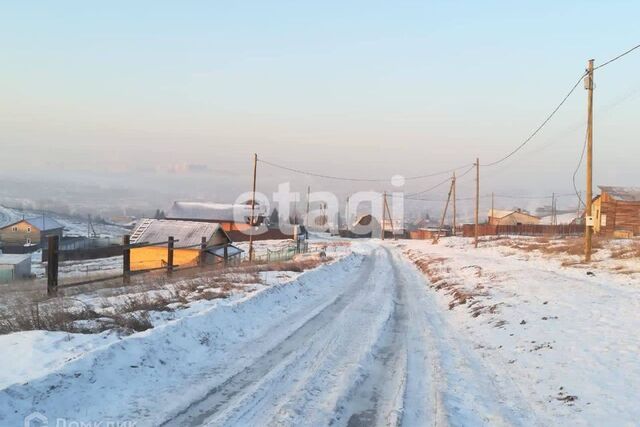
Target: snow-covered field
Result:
[[388, 333]]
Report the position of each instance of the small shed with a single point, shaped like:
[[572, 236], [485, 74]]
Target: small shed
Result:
[[154, 234], [616, 211], [30, 232], [511, 217], [14, 267]]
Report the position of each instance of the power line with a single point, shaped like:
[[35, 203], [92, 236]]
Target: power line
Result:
[[539, 128], [617, 57], [342, 178], [575, 172]]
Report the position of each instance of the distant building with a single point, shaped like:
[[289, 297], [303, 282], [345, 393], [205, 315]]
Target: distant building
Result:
[[512, 217], [616, 211], [30, 233], [14, 267], [231, 217], [188, 238]]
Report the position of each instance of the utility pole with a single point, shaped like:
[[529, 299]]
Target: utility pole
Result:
[[454, 204], [306, 217], [477, 201], [384, 204], [437, 236], [588, 231], [493, 215], [253, 207]]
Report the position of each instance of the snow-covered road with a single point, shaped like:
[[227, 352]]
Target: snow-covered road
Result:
[[378, 354]]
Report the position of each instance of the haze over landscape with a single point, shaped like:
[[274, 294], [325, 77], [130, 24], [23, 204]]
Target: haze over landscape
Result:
[[168, 100]]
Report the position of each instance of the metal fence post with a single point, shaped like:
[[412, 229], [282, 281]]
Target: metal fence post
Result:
[[170, 255], [52, 265], [126, 259]]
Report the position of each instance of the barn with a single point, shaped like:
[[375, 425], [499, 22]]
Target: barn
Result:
[[616, 211], [512, 217], [154, 234]]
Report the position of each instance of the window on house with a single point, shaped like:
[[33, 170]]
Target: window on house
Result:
[[14, 228], [28, 229]]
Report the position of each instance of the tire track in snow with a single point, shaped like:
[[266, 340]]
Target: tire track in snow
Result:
[[224, 395]]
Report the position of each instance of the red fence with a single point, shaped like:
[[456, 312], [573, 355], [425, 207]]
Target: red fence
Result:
[[468, 230]]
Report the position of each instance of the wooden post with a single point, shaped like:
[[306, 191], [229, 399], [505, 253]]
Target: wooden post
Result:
[[126, 259], [253, 208], [226, 254], [393, 231], [170, 255], [384, 203], [203, 251], [454, 205], [446, 206], [52, 265], [588, 231], [477, 213], [492, 205], [306, 217]]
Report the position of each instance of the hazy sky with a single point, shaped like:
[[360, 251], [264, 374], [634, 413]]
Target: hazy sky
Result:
[[132, 92]]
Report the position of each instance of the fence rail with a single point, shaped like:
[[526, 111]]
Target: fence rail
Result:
[[203, 260], [468, 230]]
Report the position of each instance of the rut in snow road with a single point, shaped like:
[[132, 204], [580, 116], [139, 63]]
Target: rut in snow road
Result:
[[379, 354]]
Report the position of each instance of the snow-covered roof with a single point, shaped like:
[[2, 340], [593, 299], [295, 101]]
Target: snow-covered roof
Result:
[[497, 213], [13, 259], [565, 218], [623, 194], [42, 223], [212, 211], [188, 233]]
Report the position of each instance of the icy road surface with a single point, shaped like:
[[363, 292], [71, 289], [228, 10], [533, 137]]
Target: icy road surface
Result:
[[377, 354]]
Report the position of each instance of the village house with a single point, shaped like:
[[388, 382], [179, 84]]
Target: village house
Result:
[[30, 233], [512, 217], [231, 217], [616, 211], [187, 248], [14, 267]]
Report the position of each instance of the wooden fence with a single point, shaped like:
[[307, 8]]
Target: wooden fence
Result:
[[468, 230]]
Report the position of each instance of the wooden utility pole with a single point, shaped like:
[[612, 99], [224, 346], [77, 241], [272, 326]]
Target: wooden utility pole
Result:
[[253, 207], [203, 251], [588, 231], [384, 204], [492, 204], [454, 204], [306, 217], [446, 206], [477, 213]]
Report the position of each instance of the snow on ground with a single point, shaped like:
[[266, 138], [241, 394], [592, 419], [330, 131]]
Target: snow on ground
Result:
[[565, 335], [150, 375]]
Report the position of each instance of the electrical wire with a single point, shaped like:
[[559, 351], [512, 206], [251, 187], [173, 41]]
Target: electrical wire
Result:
[[341, 178], [543, 124], [617, 57], [575, 172]]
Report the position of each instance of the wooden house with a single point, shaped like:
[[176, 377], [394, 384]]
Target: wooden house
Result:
[[154, 234], [30, 232], [512, 217], [616, 211], [230, 217]]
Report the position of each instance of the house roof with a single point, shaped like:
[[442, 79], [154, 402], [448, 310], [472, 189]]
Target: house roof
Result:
[[497, 213], [624, 194], [188, 233], [42, 223], [11, 259], [212, 211]]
